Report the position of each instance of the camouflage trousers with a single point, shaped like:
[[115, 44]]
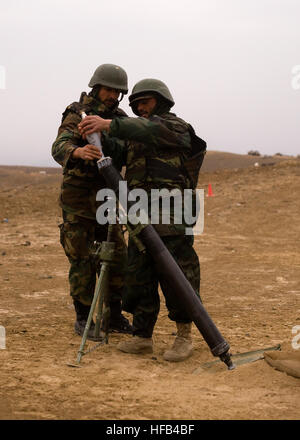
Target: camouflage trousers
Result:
[[141, 297], [77, 235]]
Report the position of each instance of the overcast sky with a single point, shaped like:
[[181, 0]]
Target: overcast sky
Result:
[[227, 63]]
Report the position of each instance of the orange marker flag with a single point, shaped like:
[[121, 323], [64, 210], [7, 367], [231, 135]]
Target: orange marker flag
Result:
[[210, 191]]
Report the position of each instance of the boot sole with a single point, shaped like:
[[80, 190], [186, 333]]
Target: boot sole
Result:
[[147, 350], [165, 357]]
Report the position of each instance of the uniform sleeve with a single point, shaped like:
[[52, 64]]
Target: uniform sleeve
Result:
[[68, 138], [151, 131], [116, 149]]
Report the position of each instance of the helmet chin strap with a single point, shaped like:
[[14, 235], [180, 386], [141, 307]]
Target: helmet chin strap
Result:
[[122, 96], [95, 91]]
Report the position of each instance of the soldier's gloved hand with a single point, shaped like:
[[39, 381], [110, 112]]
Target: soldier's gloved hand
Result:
[[88, 152], [93, 124]]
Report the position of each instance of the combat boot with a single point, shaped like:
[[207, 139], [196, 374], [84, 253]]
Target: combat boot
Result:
[[182, 347], [82, 313], [118, 323], [136, 345]]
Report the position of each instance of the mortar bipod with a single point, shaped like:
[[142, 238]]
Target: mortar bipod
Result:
[[103, 255]]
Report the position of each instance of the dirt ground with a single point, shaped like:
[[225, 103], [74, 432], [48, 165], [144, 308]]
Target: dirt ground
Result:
[[250, 269]]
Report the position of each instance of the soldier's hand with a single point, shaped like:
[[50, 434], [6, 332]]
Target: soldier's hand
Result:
[[93, 124], [88, 152]]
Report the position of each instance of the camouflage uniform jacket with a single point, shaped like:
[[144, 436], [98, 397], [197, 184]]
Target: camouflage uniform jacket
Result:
[[81, 179], [156, 156]]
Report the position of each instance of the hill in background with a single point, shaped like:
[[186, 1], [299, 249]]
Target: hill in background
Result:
[[214, 160], [218, 160]]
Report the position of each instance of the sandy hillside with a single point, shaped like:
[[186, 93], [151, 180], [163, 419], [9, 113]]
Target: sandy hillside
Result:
[[250, 266], [216, 160]]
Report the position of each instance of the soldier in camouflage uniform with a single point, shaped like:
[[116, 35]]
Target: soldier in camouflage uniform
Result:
[[81, 181], [160, 147]]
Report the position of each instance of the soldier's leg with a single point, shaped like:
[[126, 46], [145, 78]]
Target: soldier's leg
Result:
[[76, 235], [181, 248], [140, 298]]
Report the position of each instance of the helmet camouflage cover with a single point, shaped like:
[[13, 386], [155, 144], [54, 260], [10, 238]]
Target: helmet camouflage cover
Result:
[[110, 75]]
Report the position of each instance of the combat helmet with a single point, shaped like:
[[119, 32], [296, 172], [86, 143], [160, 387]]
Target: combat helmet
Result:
[[149, 87], [110, 75]]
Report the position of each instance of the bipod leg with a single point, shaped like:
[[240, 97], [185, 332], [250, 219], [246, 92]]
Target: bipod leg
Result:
[[103, 314], [93, 306], [102, 289], [106, 318]]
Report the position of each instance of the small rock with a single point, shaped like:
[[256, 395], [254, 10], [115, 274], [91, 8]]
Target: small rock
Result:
[[154, 358], [27, 243], [3, 253], [5, 220]]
